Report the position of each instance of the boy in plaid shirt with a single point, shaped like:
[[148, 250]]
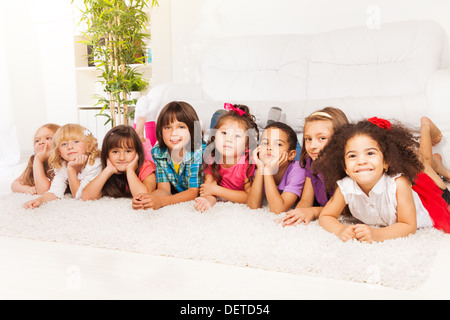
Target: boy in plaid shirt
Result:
[[177, 156]]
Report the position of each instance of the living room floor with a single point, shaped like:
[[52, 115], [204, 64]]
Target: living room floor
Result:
[[33, 269]]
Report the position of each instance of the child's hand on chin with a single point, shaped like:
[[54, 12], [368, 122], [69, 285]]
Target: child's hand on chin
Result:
[[78, 163]]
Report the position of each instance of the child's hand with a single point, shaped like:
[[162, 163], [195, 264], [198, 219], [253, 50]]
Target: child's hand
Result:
[[78, 163], [297, 216], [364, 233], [31, 190], [256, 160], [272, 166], [133, 165], [208, 189], [348, 233], [110, 167], [145, 201], [44, 154], [32, 203], [202, 204]]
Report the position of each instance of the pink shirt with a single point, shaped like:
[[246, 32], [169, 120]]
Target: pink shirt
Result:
[[233, 178]]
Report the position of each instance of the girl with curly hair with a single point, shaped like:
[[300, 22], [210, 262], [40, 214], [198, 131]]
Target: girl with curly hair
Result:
[[317, 131], [385, 177], [227, 168], [75, 159]]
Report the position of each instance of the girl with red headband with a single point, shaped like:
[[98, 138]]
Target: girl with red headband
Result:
[[227, 168], [385, 177]]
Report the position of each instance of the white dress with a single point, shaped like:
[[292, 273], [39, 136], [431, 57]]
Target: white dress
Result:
[[380, 207], [61, 179]]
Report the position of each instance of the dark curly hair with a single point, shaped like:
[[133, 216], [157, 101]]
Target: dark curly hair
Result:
[[249, 123], [398, 145]]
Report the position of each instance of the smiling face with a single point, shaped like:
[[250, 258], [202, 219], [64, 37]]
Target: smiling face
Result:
[[43, 139], [316, 135], [230, 141], [364, 161], [71, 149], [120, 157], [176, 136]]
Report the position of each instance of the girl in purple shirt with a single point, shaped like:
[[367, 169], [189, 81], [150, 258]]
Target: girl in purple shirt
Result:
[[317, 131]]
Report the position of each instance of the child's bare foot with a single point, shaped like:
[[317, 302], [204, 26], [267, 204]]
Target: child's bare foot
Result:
[[438, 166], [435, 133]]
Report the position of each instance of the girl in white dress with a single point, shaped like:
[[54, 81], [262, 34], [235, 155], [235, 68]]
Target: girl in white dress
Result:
[[386, 178]]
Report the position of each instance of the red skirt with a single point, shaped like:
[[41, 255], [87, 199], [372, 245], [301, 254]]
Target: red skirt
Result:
[[431, 196]]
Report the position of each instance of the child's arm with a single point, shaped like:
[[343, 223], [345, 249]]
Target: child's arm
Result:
[[304, 211], [277, 202], [213, 189], [162, 197], [93, 190], [328, 218], [406, 217], [73, 168], [18, 186], [204, 202], [40, 178], [135, 184], [46, 197], [255, 195]]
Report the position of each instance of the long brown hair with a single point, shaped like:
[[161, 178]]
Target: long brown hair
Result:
[[252, 135], [120, 137], [27, 177]]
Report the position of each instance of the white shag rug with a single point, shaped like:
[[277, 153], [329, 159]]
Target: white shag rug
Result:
[[228, 233]]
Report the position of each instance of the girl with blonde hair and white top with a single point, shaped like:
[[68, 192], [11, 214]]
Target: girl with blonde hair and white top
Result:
[[75, 159]]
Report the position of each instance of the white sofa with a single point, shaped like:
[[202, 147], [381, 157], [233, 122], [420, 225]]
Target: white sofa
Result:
[[397, 71]]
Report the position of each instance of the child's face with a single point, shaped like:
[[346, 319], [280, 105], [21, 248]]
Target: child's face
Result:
[[274, 142], [230, 140], [71, 149], [121, 157], [364, 161], [43, 139], [176, 135], [316, 136]]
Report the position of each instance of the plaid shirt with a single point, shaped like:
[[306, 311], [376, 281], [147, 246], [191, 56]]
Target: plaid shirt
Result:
[[188, 175]]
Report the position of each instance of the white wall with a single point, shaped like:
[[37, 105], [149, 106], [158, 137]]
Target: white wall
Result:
[[39, 52], [194, 24]]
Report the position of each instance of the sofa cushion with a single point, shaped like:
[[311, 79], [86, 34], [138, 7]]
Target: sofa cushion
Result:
[[394, 60], [272, 68]]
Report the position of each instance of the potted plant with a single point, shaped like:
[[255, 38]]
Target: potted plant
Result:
[[116, 32]]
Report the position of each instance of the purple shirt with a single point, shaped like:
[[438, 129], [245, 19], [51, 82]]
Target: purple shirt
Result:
[[318, 184], [293, 179]]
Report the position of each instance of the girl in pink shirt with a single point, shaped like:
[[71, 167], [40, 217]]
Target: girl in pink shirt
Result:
[[228, 172]]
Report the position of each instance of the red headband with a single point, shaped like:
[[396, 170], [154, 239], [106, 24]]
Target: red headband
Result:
[[382, 123], [230, 107]]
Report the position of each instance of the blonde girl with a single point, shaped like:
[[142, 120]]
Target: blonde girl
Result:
[[75, 160], [38, 175], [228, 172], [318, 130]]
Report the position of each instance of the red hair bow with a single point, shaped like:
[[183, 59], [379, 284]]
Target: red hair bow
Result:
[[230, 107], [382, 123]]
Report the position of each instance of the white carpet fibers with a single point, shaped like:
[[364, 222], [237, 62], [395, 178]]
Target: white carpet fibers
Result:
[[229, 233]]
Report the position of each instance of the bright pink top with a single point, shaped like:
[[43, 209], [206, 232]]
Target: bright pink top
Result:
[[233, 178]]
